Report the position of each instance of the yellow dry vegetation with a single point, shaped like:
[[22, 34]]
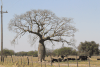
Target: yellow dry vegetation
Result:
[[19, 61]]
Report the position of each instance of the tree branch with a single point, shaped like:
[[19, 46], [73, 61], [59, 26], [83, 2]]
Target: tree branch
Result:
[[60, 41]]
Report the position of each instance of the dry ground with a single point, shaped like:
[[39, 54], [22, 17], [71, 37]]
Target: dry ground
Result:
[[17, 62]]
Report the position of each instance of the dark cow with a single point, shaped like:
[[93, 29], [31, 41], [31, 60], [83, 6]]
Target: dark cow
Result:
[[89, 56], [98, 58], [54, 60], [83, 57], [62, 57], [72, 58], [65, 60], [69, 58], [60, 60]]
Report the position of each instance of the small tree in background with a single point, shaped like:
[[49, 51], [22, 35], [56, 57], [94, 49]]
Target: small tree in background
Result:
[[88, 48], [30, 53], [21, 53], [7, 52], [35, 54], [65, 51]]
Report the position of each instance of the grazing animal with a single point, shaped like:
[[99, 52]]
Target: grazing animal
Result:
[[62, 57], [98, 58], [72, 58], [54, 60], [65, 60], [90, 56], [69, 58], [60, 60], [83, 57]]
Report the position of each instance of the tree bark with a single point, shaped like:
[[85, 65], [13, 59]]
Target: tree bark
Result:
[[41, 51]]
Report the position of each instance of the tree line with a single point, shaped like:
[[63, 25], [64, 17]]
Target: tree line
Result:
[[84, 48], [7, 52]]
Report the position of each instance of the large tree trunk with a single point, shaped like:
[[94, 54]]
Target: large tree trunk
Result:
[[41, 52]]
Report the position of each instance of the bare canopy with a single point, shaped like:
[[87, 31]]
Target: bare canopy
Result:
[[44, 24]]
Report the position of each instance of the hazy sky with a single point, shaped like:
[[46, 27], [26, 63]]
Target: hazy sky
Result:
[[85, 14]]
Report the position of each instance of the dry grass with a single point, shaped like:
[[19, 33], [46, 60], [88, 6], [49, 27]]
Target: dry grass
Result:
[[34, 62]]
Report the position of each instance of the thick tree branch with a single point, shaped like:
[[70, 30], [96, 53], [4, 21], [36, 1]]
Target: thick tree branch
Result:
[[60, 41], [30, 31]]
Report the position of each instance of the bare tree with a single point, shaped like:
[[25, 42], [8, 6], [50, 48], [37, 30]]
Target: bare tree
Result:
[[43, 24]]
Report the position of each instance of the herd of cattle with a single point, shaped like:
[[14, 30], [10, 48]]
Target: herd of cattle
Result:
[[62, 58]]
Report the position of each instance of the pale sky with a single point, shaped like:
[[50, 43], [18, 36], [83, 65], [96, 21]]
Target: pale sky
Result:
[[85, 14]]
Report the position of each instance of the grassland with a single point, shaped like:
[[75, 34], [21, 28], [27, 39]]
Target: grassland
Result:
[[19, 61]]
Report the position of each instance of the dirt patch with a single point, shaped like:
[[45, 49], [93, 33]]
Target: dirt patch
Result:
[[2, 66], [71, 64]]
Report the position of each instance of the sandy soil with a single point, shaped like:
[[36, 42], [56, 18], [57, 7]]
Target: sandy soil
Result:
[[2, 66], [7, 66]]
